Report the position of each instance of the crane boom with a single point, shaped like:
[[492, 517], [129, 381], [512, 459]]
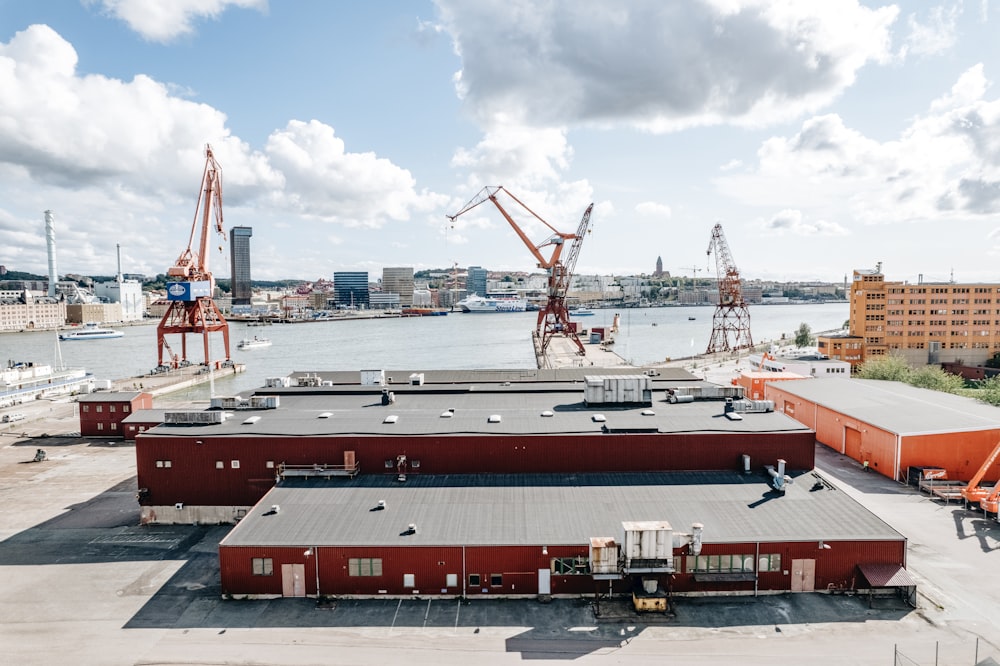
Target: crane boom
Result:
[[972, 492], [554, 317]]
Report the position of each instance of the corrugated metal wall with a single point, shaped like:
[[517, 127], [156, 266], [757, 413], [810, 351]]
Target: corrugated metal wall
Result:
[[517, 568], [196, 478]]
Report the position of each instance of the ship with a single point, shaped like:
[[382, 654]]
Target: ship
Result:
[[91, 331], [421, 311], [21, 381], [476, 303], [253, 343]]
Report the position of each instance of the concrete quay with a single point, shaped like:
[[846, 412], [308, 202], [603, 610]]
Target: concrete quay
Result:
[[82, 582], [162, 383], [563, 353]]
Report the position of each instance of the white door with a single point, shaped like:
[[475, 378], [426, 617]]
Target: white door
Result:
[[803, 575], [544, 581]]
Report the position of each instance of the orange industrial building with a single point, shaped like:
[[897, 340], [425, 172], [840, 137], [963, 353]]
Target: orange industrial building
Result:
[[894, 426], [754, 381], [926, 323]]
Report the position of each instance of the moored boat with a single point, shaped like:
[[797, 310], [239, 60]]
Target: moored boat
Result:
[[419, 311]]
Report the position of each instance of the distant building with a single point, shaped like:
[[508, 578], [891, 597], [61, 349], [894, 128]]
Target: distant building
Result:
[[475, 283], [351, 289], [21, 311], [127, 293], [93, 313], [926, 323], [239, 259], [399, 280], [659, 267]]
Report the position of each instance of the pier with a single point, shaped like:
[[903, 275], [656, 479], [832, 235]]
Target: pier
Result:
[[563, 353], [161, 383]]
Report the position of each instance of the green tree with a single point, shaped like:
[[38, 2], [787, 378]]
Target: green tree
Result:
[[934, 378], [890, 368], [988, 391], [803, 336]]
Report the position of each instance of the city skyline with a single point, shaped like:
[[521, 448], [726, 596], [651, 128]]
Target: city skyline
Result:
[[824, 137]]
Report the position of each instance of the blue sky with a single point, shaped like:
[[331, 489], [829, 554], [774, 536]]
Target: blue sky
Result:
[[823, 136]]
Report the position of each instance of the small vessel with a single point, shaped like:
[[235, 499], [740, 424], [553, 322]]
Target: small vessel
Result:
[[475, 303], [91, 331], [253, 343], [582, 312], [690, 318]]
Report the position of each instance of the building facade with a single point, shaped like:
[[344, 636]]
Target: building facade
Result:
[[926, 323], [399, 280], [127, 293], [351, 289], [101, 414], [21, 311], [475, 281], [239, 264]]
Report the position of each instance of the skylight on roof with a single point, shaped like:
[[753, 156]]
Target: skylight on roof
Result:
[[392, 418]]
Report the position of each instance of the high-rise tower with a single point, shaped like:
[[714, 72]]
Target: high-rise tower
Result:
[[239, 258]]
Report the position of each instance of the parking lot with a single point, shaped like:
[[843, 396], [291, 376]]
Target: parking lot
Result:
[[83, 583]]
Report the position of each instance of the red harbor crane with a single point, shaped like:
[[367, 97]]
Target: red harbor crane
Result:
[[554, 317], [190, 283], [731, 321]]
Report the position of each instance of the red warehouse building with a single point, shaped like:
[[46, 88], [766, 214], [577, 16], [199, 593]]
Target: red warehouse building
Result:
[[894, 426], [512, 483], [102, 413]]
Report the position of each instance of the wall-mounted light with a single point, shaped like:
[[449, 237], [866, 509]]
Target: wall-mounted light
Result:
[[545, 550], [823, 545]]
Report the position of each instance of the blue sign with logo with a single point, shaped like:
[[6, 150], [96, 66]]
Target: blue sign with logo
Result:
[[188, 291]]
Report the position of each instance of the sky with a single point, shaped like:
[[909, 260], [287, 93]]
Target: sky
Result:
[[823, 136]]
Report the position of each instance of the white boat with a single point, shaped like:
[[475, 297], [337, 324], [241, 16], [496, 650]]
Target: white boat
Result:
[[91, 332], [581, 312], [476, 303], [253, 343]]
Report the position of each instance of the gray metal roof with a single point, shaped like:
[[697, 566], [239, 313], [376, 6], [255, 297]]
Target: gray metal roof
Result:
[[147, 416], [453, 510], [896, 407], [419, 409], [482, 376], [110, 396]]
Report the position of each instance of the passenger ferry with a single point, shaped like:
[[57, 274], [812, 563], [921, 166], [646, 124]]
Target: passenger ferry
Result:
[[475, 303], [91, 331]]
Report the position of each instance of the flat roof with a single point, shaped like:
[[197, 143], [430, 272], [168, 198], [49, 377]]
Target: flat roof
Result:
[[479, 510], [496, 375], [109, 396], [358, 411], [897, 407]]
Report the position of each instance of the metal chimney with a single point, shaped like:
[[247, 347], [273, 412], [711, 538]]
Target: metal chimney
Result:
[[50, 242], [118, 249]]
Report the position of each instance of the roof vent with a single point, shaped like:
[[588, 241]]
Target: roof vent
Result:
[[392, 418], [548, 412], [380, 506], [494, 418], [251, 420], [648, 412], [448, 414], [325, 415], [598, 418]]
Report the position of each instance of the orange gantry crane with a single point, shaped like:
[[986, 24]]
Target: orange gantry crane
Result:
[[190, 283], [553, 319], [731, 321], [986, 497]]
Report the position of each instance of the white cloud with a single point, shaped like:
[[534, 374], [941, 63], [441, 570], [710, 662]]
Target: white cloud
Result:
[[163, 21], [793, 222], [944, 167], [936, 35], [653, 209], [120, 161], [660, 66]]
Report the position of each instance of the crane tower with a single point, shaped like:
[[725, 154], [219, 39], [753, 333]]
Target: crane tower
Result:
[[190, 282], [731, 321], [553, 319]]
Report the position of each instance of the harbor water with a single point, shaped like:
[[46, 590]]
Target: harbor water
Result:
[[457, 341]]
